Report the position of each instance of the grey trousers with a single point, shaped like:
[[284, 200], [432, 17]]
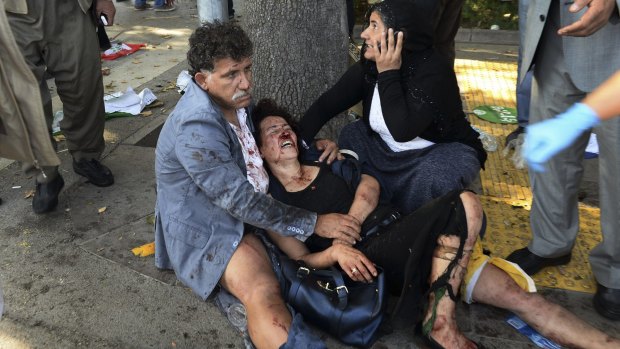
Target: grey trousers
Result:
[[554, 218], [57, 36]]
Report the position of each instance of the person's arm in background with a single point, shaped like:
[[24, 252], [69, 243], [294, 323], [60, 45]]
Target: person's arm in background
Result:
[[107, 8], [545, 139], [348, 91], [595, 17]]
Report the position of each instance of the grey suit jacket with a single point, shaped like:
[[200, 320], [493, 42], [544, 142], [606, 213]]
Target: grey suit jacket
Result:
[[590, 60]]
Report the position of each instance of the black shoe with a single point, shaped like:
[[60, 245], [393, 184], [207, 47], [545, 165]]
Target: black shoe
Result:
[[607, 302], [514, 134], [532, 264], [96, 173], [46, 195]]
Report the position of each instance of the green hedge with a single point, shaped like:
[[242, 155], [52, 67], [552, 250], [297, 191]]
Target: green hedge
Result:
[[476, 13]]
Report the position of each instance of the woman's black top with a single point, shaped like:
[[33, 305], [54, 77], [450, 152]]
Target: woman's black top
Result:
[[328, 193]]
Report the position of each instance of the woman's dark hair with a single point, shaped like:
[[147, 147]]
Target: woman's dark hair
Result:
[[268, 107], [213, 41]]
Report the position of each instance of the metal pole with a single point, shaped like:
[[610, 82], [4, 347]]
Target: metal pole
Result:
[[211, 10]]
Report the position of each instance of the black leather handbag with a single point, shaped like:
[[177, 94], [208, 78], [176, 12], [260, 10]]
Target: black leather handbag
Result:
[[350, 311]]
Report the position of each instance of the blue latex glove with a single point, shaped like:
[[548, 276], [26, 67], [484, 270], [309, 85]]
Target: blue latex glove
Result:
[[545, 139]]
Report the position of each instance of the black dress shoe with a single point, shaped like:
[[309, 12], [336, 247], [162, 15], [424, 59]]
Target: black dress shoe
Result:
[[514, 134], [607, 302], [532, 264], [46, 195], [96, 173]]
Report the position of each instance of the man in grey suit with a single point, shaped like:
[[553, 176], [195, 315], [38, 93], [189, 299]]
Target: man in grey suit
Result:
[[575, 47]]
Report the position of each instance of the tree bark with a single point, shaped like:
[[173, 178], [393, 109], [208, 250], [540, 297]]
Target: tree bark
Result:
[[300, 50]]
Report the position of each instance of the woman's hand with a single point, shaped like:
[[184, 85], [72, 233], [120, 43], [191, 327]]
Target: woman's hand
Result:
[[330, 150], [353, 262], [390, 50]]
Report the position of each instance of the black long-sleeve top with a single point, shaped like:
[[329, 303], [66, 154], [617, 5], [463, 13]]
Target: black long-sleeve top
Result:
[[421, 99]]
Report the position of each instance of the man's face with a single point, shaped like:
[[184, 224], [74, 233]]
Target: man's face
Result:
[[229, 84]]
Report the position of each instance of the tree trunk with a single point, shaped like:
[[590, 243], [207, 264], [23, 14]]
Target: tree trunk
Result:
[[300, 50]]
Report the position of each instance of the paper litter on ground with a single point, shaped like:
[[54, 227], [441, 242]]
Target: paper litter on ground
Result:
[[128, 102], [183, 80]]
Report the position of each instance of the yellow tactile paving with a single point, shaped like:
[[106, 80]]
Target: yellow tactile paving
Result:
[[506, 195]]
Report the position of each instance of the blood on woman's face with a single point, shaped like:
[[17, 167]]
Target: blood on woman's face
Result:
[[278, 140]]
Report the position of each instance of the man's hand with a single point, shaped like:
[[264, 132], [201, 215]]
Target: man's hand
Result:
[[338, 226], [106, 7], [390, 49], [354, 263], [595, 17], [330, 150]]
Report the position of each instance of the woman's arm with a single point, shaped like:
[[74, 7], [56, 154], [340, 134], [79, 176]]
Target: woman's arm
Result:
[[344, 94], [411, 103], [366, 198], [351, 260]]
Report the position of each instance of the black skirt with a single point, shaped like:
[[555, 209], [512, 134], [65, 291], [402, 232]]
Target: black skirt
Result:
[[404, 250]]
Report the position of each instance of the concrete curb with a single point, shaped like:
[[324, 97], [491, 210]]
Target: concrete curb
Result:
[[487, 36]]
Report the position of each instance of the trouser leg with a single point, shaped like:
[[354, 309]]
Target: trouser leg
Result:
[[554, 217], [605, 257], [74, 62], [447, 25], [29, 33]]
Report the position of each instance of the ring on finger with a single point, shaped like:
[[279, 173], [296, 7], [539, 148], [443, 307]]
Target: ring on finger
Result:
[[354, 271]]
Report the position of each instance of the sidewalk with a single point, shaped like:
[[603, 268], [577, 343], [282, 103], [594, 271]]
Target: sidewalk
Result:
[[69, 277]]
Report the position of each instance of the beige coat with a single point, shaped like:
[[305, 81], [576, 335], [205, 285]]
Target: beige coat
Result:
[[23, 130]]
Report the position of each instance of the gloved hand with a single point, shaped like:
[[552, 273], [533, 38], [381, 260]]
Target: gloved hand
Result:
[[545, 139]]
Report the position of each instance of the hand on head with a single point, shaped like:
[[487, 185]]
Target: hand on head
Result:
[[390, 58]]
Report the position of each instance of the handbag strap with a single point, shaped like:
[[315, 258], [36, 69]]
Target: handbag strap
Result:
[[332, 273]]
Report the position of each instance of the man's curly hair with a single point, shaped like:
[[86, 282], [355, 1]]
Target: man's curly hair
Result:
[[217, 40]]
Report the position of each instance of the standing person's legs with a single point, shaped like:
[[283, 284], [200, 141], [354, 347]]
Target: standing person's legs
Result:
[[74, 62], [447, 24], [554, 218], [524, 88], [605, 257], [30, 32]]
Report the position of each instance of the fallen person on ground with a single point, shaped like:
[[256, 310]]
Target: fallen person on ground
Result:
[[432, 231]]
